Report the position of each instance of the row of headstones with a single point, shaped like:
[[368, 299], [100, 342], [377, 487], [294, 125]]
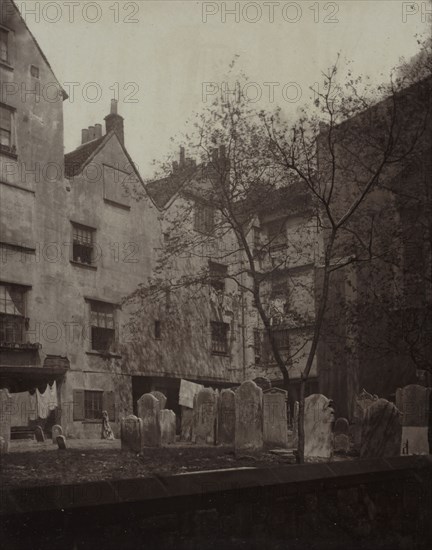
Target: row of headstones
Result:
[[247, 418], [154, 426], [380, 428]]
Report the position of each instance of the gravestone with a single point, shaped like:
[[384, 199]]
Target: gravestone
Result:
[[205, 412], [186, 423], [55, 431], [413, 403], [61, 442], [318, 426], [226, 418], [160, 397], [248, 417], [39, 434], [5, 418], [262, 382], [275, 421], [341, 437], [361, 403], [148, 411], [131, 429], [167, 421], [382, 431]]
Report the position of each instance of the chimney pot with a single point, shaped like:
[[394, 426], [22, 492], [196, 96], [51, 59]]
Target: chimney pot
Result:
[[215, 155], [98, 131], [114, 122], [84, 135], [175, 166], [114, 106], [92, 133]]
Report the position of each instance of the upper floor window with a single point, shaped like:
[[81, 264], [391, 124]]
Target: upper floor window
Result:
[[276, 234], [4, 45], [83, 244], [103, 336], [34, 71], [157, 330], [218, 273], [204, 218], [281, 338], [219, 338], [12, 313], [6, 127]]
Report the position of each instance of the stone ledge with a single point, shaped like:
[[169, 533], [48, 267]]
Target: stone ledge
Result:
[[185, 488]]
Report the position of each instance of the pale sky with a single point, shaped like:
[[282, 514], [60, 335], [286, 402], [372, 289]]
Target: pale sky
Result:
[[167, 52]]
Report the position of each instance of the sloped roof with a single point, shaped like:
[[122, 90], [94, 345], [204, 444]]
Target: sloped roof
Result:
[[162, 190], [76, 160]]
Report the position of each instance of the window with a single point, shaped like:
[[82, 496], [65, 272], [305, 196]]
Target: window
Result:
[[157, 330], [83, 244], [34, 71], [4, 45], [276, 234], [6, 117], [219, 338], [281, 337], [279, 287], [12, 313], [257, 346], [102, 326], [93, 403], [204, 218], [218, 273]]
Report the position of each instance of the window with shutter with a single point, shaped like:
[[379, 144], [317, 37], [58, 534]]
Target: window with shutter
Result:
[[78, 405]]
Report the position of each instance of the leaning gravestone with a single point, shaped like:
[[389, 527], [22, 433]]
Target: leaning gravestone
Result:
[[148, 410], [318, 426], [160, 397], [39, 434], [249, 417], [341, 437], [167, 421], [382, 431], [55, 431], [61, 442], [131, 429], [5, 419], [361, 403], [275, 421], [413, 403], [205, 412], [226, 418]]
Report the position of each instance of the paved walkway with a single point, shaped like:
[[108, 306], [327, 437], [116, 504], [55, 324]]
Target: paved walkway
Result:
[[30, 445]]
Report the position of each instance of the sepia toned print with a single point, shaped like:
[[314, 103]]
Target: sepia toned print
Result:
[[215, 274]]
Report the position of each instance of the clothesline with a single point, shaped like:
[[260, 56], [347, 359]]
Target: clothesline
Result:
[[27, 406]]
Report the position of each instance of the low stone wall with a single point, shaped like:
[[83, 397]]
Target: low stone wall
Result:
[[367, 504]]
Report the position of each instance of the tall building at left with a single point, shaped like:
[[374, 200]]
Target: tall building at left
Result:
[[73, 244]]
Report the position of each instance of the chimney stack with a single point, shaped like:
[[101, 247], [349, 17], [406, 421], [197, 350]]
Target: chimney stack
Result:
[[114, 122], [92, 132], [84, 135], [98, 131]]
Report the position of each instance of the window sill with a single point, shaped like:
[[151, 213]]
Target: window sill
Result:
[[117, 204], [85, 266], [107, 354], [6, 65], [9, 154], [220, 353]]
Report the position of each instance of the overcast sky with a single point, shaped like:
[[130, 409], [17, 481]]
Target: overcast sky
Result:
[[166, 52]]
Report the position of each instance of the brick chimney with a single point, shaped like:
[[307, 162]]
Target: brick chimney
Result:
[[91, 133], [98, 130], [114, 122]]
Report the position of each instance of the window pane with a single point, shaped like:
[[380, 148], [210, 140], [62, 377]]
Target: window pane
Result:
[[3, 45]]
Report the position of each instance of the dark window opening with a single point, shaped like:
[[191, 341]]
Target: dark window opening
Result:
[[102, 327], [281, 338], [204, 218], [276, 234], [12, 313], [219, 338], [93, 403], [5, 129], [218, 274], [34, 71], [257, 346], [83, 244], [4, 46], [157, 330]]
